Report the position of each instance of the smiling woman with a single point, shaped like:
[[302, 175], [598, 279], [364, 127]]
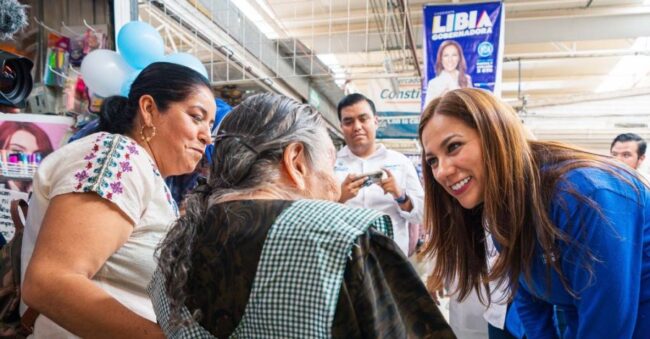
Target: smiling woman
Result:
[[100, 206], [455, 158], [561, 217], [451, 69]]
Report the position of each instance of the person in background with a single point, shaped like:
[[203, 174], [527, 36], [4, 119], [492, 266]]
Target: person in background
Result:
[[629, 148], [100, 207], [26, 138], [264, 251], [572, 228], [450, 68], [399, 194]]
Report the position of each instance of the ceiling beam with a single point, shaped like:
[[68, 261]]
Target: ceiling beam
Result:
[[610, 23]]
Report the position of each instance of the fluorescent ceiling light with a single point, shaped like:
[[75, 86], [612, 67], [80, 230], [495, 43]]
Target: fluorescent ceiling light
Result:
[[333, 63], [630, 69], [256, 18]]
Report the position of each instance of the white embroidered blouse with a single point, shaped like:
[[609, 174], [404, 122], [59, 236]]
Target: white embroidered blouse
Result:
[[116, 168]]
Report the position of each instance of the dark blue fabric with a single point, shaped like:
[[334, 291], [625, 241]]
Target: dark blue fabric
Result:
[[559, 321], [88, 129], [614, 302], [497, 333], [513, 323], [222, 110]]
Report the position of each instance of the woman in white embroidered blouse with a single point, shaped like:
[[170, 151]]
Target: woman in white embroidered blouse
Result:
[[100, 207]]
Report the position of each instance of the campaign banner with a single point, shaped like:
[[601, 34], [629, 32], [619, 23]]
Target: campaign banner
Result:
[[398, 125], [463, 47], [398, 106]]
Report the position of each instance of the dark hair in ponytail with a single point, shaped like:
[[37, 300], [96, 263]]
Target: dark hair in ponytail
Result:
[[165, 82]]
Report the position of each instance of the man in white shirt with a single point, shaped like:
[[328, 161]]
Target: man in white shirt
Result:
[[399, 194]]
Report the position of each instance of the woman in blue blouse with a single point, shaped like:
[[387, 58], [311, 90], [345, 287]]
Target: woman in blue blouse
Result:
[[572, 227]]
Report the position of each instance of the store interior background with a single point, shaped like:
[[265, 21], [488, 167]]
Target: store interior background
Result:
[[575, 70]]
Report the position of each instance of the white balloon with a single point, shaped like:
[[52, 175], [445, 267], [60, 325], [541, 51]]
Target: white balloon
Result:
[[104, 71]]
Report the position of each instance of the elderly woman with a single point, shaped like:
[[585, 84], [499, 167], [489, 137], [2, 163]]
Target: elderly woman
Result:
[[572, 227], [100, 207], [258, 255]]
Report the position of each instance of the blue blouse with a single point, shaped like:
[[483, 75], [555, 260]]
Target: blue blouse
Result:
[[614, 299]]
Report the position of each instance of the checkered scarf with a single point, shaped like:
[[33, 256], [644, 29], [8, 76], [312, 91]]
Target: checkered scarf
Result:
[[296, 287]]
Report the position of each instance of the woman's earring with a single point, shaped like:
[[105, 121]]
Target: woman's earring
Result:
[[143, 133]]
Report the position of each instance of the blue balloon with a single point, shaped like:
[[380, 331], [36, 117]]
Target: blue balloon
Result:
[[187, 60], [140, 44], [126, 85]]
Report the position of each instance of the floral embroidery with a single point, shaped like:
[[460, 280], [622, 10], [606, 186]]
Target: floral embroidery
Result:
[[108, 160], [117, 187], [132, 149], [81, 175], [126, 166]]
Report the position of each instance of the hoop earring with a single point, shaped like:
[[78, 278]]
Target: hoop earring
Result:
[[144, 136]]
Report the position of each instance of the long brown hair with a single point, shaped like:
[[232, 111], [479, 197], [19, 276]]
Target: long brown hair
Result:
[[515, 202], [462, 64]]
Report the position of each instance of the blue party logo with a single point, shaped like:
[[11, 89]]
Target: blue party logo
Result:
[[485, 49]]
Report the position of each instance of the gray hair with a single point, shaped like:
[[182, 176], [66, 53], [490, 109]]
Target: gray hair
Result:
[[251, 141], [248, 150]]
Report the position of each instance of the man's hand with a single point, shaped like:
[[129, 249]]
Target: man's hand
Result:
[[389, 185], [350, 187]]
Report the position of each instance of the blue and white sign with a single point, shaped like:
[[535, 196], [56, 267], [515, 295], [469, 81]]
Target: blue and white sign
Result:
[[463, 47], [398, 106]]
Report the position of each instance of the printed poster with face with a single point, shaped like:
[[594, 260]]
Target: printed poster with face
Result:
[[463, 47], [25, 139]]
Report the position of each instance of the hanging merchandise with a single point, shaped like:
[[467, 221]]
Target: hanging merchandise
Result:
[[77, 50], [81, 95], [57, 60], [84, 43], [93, 40], [94, 102]]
